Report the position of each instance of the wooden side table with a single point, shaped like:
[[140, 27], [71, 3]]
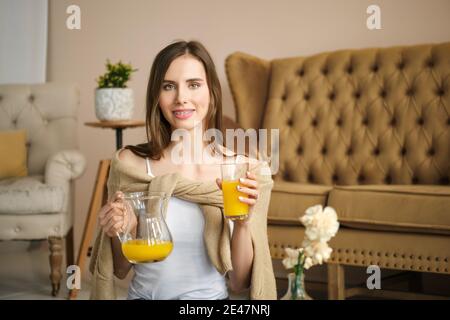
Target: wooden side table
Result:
[[100, 193]]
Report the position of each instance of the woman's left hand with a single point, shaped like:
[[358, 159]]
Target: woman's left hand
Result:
[[247, 185]]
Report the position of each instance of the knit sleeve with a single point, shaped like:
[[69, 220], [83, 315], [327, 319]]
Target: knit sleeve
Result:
[[263, 285]]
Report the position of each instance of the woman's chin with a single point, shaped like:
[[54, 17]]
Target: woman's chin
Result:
[[187, 124]]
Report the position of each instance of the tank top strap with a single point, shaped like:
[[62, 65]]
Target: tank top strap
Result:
[[149, 170]]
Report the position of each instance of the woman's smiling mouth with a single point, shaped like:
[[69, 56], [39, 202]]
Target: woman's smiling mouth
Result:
[[183, 114]]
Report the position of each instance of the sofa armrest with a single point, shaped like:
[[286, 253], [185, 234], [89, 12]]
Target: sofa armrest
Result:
[[248, 78], [64, 166]]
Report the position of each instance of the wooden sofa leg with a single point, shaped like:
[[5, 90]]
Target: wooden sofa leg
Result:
[[55, 244], [336, 282]]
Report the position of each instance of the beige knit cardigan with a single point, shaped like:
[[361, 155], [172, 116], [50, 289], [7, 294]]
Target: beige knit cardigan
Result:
[[216, 232]]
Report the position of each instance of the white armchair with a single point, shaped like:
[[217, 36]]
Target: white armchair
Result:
[[40, 206]]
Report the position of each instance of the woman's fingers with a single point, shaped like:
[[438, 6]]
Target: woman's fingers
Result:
[[251, 192], [219, 183], [249, 182], [249, 201]]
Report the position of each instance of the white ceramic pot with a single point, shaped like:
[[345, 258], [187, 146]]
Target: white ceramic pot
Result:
[[114, 104]]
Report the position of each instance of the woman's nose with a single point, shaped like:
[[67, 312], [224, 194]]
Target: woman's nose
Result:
[[182, 96]]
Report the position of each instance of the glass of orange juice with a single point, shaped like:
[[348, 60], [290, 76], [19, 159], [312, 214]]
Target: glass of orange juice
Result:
[[233, 208]]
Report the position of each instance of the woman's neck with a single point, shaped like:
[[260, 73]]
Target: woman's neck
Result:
[[188, 147]]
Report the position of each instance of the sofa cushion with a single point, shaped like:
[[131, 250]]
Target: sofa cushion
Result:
[[289, 201], [13, 162], [422, 209], [29, 195]]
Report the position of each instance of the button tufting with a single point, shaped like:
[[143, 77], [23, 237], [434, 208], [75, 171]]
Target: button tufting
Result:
[[415, 180], [440, 92], [325, 71], [286, 176], [376, 151], [401, 65], [335, 177], [307, 96], [420, 121], [403, 151], [375, 68], [410, 92], [393, 122], [28, 144], [314, 122], [444, 181], [331, 96], [349, 151], [365, 121], [301, 72], [310, 177], [339, 122], [383, 93], [324, 150], [290, 122], [350, 70], [430, 63], [300, 150], [31, 98], [361, 178], [283, 97], [357, 94], [431, 152]]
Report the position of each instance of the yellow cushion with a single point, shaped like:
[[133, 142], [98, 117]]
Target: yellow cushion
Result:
[[13, 151]]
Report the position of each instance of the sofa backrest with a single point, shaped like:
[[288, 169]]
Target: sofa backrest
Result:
[[370, 116], [48, 114]]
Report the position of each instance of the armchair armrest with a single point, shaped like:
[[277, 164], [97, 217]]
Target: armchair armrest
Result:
[[64, 166]]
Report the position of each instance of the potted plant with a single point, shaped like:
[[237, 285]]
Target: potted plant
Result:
[[113, 100]]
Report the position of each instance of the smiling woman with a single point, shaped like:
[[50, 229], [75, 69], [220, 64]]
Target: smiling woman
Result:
[[184, 98], [184, 95]]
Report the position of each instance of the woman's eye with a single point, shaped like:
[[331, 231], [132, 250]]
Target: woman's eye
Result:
[[168, 87], [194, 85]]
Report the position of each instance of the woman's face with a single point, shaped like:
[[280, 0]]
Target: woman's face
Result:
[[184, 96]]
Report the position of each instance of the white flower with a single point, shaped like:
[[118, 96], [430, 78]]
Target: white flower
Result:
[[321, 225], [308, 263], [291, 257], [318, 251], [310, 213]]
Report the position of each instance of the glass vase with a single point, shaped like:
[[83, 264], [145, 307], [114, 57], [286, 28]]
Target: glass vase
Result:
[[296, 287]]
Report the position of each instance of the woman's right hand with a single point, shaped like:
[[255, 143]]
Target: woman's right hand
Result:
[[114, 218]]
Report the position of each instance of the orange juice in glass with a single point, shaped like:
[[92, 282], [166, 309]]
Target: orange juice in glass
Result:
[[233, 208]]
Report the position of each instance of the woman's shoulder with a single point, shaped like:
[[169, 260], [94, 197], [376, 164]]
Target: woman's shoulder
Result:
[[128, 158]]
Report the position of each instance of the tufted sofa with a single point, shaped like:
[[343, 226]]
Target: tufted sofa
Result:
[[40, 206], [367, 132]]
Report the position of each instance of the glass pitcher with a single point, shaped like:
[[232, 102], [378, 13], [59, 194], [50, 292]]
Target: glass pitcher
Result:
[[150, 240]]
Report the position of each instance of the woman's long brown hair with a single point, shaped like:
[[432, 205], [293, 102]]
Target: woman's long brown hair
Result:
[[157, 127]]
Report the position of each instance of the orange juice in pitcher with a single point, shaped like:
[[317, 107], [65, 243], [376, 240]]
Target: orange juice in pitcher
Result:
[[140, 251]]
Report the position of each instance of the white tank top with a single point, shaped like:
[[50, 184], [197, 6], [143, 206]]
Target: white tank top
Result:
[[187, 273]]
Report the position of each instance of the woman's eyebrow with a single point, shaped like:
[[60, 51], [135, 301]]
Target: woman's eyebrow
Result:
[[188, 80]]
